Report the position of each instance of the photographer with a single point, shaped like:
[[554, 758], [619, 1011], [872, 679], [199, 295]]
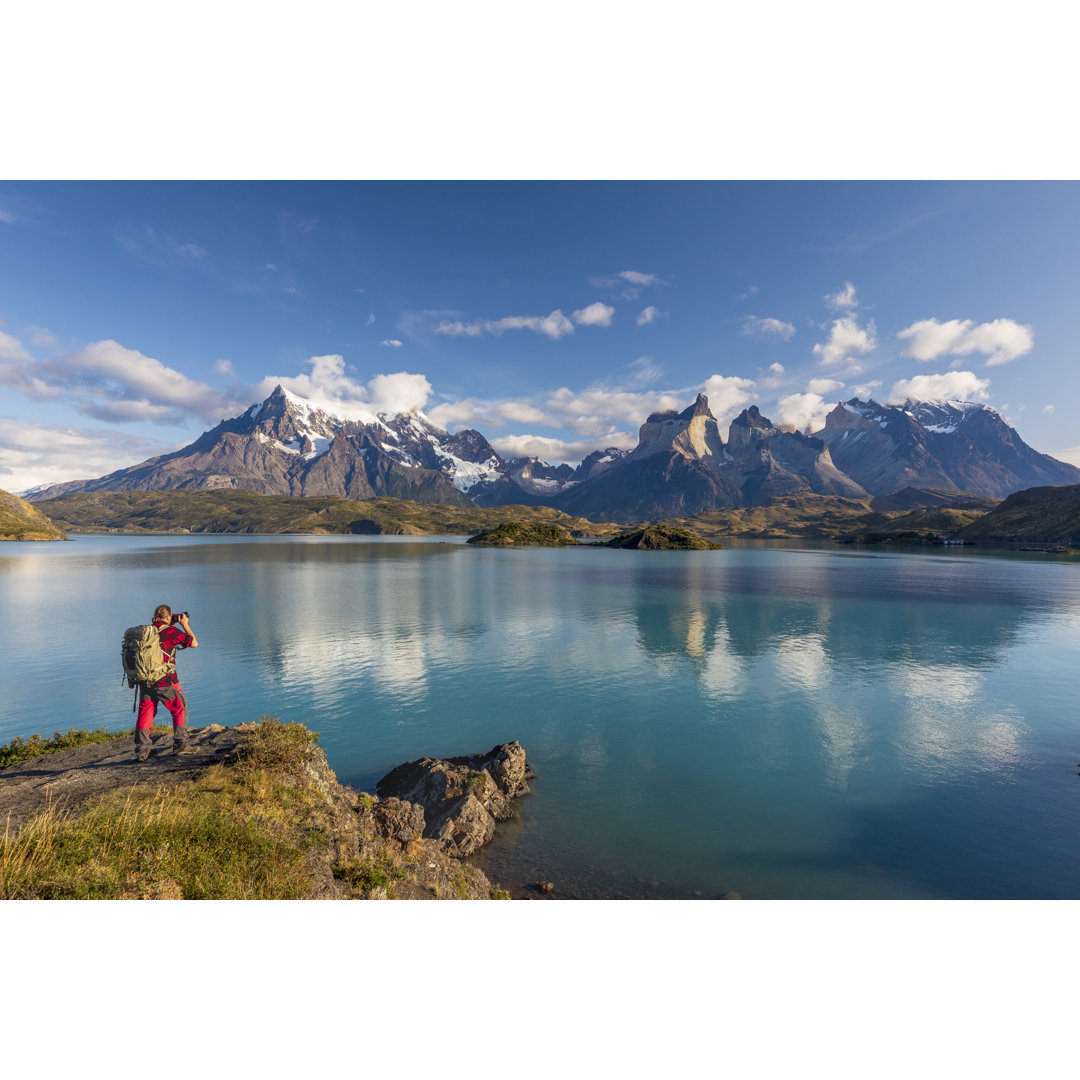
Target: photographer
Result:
[[175, 633]]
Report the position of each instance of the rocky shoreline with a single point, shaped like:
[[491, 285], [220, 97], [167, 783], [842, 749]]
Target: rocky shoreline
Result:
[[411, 840]]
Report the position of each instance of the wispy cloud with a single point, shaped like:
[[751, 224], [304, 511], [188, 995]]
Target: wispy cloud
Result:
[[630, 283], [649, 315], [768, 328], [33, 455], [41, 337], [865, 391], [393, 343], [824, 386], [775, 376], [999, 341], [843, 299], [555, 326], [109, 382], [11, 348]]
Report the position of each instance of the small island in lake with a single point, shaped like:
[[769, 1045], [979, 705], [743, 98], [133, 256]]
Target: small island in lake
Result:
[[663, 538], [520, 534]]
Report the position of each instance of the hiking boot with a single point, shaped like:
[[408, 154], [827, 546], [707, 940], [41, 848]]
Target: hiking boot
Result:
[[184, 748], [142, 753]]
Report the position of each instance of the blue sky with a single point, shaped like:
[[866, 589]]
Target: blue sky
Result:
[[551, 316]]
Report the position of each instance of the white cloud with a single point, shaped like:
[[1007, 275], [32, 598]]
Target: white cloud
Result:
[[11, 348], [193, 250], [32, 455], [597, 314], [846, 338], [728, 395], [637, 278], [559, 450], [751, 291], [1048, 409], [392, 342], [648, 315], [866, 390], [555, 325], [824, 386], [843, 299], [775, 376], [519, 412], [328, 387], [1000, 341], [803, 410], [952, 386], [116, 384], [399, 392], [772, 329], [224, 367], [370, 318]]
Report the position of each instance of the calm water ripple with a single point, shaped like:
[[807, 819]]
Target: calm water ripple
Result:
[[789, 722]]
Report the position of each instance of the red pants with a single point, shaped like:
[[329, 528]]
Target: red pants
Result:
[[172, 697]]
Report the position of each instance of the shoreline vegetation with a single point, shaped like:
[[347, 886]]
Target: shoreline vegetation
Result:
[[1045, 519], [255, 813]]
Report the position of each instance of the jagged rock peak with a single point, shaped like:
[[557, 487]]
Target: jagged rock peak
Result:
[[752, 418], [699, 408]]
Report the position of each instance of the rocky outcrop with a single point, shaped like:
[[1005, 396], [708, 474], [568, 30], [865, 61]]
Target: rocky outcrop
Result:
[[663, 538], [462, 798], [520, 534]]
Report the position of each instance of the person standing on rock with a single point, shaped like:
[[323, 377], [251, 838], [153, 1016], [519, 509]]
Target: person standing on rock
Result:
[[175, 634]]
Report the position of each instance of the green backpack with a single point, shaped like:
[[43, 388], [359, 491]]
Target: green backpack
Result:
[[144, 660]]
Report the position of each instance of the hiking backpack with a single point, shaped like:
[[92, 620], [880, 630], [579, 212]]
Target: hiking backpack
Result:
[[145, 662]]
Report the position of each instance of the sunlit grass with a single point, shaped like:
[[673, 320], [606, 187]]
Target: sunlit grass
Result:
[[230, 834]]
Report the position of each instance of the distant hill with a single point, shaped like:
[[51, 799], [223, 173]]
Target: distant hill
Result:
[[233, 511], [924, 498], [1040, 515], [21, 521], [807, 516]]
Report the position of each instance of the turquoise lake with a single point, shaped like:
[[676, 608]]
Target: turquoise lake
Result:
[[779, 721]]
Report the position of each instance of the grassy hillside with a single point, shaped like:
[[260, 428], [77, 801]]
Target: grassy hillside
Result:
[[784, 517], [21, 521], [1041, 515], [232, 511], [787, 517], [829, 517]]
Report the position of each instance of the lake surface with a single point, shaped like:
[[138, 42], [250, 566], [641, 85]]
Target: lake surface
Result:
[[777, 721]]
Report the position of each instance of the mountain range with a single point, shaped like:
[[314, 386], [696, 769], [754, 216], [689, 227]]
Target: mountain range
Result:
[[681, 466]]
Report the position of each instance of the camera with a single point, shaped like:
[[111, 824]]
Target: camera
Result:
[[177, 617]]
